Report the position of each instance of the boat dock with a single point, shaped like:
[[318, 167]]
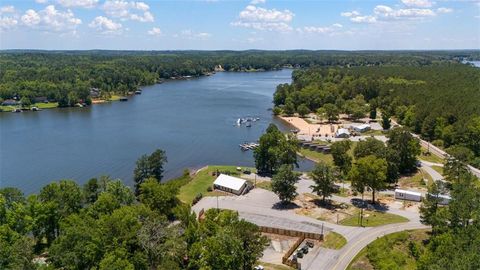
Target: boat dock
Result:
[[248, 146]]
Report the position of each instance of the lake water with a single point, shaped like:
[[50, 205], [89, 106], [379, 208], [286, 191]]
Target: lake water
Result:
[[192, 120]]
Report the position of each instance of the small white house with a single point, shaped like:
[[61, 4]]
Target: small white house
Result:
[[361, 128], [342, 133], [401, 194], [230, 184]]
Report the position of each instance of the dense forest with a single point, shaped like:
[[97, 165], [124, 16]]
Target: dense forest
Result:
[[68, 76], [103, 225], [440, 101]]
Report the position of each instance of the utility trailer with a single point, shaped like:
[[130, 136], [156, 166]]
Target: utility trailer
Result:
[[407, 195]]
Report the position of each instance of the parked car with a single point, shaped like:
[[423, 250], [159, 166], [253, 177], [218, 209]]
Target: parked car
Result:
[[310, 244], [300, 254], [305, 249], [258, 267]]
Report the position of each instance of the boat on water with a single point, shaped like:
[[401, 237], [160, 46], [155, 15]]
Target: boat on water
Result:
[[123, 99], [248, 146], [17, 110], [247, 121], [138, 92]]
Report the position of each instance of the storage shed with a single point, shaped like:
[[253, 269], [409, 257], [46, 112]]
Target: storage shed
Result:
[[230, 184], [401, 194], [342, 133], [361, 128]]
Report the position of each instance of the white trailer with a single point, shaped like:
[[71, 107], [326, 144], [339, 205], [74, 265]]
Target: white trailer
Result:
[[401, 194], [443, 199]]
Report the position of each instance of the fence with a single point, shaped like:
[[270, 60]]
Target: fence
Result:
[[301, 237], [293, 233]]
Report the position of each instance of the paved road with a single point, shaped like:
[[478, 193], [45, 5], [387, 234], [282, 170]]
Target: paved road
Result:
[[259, 207]]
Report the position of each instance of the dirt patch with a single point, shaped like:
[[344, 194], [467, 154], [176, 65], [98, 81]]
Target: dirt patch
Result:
[[331, 211]]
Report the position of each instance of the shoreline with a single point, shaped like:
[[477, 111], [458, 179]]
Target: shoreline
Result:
[[10, 108]]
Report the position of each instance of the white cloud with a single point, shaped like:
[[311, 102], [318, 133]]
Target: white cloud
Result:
[[264, 19], [78, 3], [136, 11], [364, 19], [189, 34], [387, 12], [105, 25], [256, 2], [41, 1], [155, 31], [444, 10], [51, 19], [320, 30], [7, 9], [254, 39], [350, 14], [7, 22], [418, 3]]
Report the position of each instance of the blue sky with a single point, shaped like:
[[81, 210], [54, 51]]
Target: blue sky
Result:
[[238, 25]]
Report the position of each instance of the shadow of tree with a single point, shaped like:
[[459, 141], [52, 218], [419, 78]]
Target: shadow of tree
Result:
[[285, 206], [359, 203]]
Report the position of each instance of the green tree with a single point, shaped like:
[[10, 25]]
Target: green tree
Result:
[[303, 110], [386, 123], [371, 172], [430, 210], [340, 155], [149, 166], [91, 190], [405, 147], [274, 150], [283, 183], [324, 178], [331, 112], [161, 198]]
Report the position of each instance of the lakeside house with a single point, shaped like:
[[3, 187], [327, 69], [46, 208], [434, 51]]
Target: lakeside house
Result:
[[230, 184], [9, 102], [94, 92], [40, 100], [342, 133]]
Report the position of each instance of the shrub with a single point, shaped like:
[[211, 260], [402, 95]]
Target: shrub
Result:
[[209, 189], [197, 198]]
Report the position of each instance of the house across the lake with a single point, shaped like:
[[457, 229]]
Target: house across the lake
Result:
[[230, 184], [9, 102], [40, 100]]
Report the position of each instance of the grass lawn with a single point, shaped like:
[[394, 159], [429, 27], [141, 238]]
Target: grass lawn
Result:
[[201, 181], [114, 98], [46, 105], [265, 185], [392, 249], [316, 156], [372, 219], [6, 108], [429, 157], [438, 169], [374, 132], [415, 180], [334, 240]]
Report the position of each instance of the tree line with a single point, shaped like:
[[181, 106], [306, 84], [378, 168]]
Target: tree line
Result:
[[106, 225], [67, 76], [441, 101]]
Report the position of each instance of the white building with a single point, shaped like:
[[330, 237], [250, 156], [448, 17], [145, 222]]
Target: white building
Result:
[[230, 184], [342, 133], [361, 128], [408, 195]]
